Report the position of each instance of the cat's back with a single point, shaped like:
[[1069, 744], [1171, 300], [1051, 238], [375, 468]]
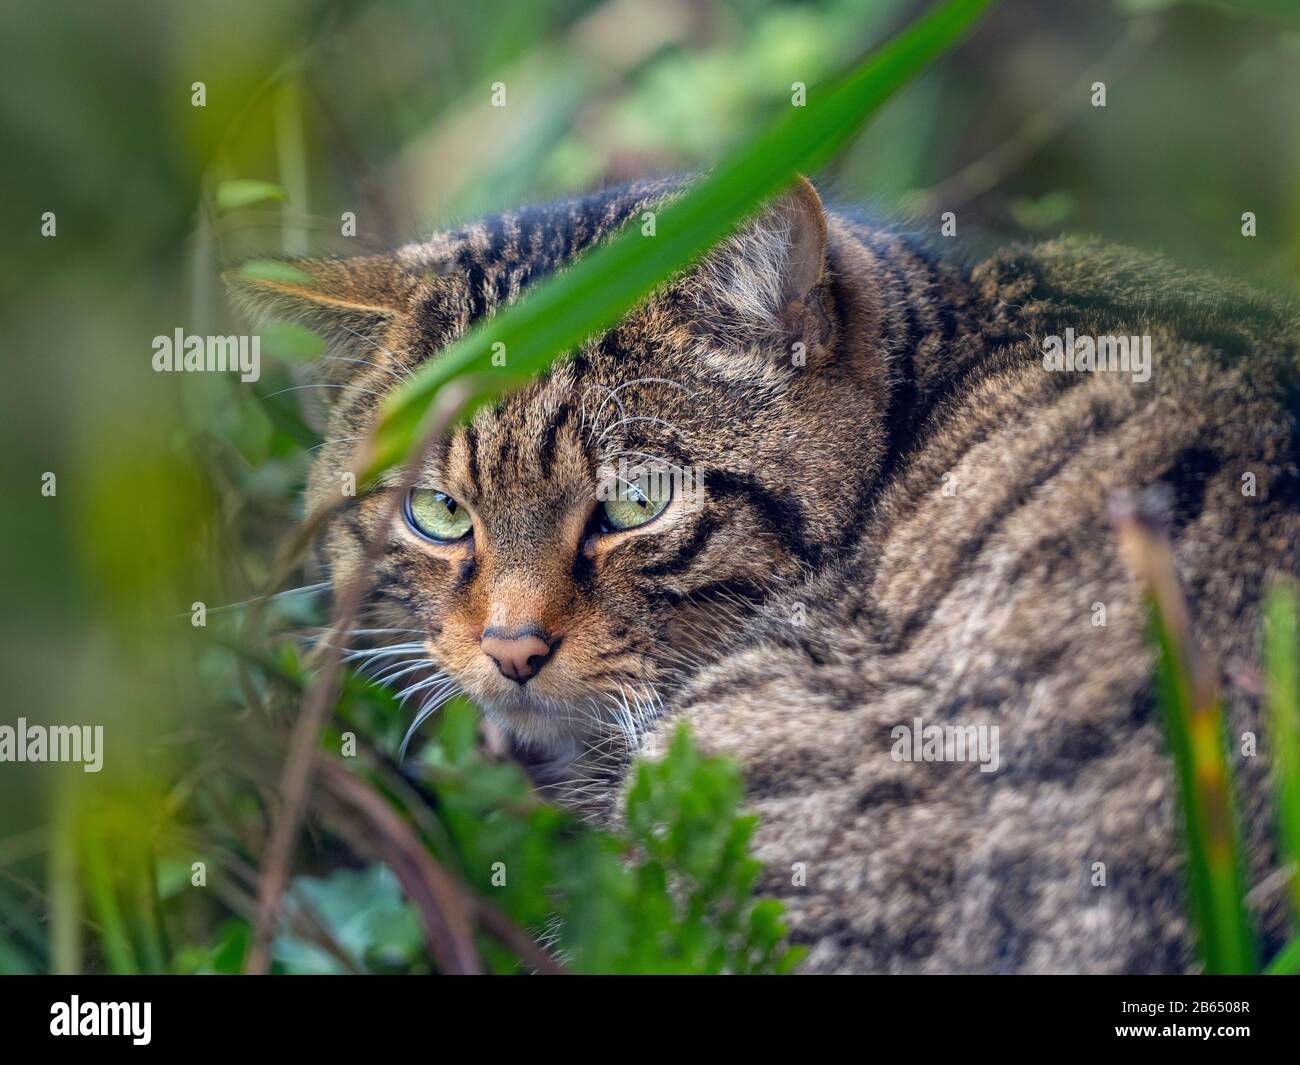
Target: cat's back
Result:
[[986, 598]]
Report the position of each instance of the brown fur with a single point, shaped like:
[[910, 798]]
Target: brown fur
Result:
[[910, 523]]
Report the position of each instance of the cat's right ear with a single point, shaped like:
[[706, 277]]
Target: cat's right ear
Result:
[[349, 303], [331, 297]]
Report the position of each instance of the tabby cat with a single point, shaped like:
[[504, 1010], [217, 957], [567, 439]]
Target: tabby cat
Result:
[[822, 492]]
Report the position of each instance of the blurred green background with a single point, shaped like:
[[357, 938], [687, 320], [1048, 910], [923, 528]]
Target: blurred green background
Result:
[[178, 489]]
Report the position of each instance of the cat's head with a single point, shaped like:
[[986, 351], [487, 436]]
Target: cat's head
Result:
[[569, 553]]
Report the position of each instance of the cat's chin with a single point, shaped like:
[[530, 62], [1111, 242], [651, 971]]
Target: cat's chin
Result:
[[537, 720]]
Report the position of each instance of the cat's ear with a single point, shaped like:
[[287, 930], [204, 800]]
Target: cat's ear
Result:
[[798, 213], [328, 296], [347, 302], [771, 263]]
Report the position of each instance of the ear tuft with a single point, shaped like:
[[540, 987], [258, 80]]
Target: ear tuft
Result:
[[328, 296], [772, 262], [801, 209]]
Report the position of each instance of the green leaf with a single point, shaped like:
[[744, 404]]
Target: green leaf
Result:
[[694, 877], [253, 434], [363, 911], [1282, 658], [1048, 212], [288, 340], [274, 270], [1195, 732], [1287, 962], [607, 282], [230, 949], [243, 192]]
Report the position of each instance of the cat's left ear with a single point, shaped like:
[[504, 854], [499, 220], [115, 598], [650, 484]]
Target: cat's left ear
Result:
[[774, 261], [799, 212]]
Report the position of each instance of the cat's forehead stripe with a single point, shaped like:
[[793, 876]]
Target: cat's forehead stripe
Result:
[[496, 257]]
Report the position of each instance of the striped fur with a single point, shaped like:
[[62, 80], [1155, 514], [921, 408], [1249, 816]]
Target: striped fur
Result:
[[908, 520]]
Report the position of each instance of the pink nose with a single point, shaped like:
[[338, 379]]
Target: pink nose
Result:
[[518, 657]]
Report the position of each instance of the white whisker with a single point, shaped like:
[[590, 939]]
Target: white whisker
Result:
[[306, 589], [637, 418], [370, 340], [613, 393], [426, 711], [323, 384]]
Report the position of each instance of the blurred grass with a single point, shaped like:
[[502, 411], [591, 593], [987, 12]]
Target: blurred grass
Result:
[[1194, 726], [1189, 696], [1282, 657]]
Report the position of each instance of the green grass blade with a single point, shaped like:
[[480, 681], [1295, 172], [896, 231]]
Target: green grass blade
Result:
[[606, 283], [65, 893], [1287, 962], [1282, 659], [114, 937], [1195, 731], [1187, 690], [146, 908]]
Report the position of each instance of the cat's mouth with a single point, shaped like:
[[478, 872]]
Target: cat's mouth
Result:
[[574, 696], [559, 710]]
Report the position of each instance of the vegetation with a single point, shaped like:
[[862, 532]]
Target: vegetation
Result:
[[452, 864], [1191, 702]]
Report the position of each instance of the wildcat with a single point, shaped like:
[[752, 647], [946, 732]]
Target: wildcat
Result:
[[823, 485]]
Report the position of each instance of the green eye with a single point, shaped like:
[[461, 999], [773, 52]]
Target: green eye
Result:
[[639, 501], [436, 516]]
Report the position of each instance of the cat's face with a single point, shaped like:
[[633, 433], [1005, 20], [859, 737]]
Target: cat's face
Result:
[[567, 555]]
